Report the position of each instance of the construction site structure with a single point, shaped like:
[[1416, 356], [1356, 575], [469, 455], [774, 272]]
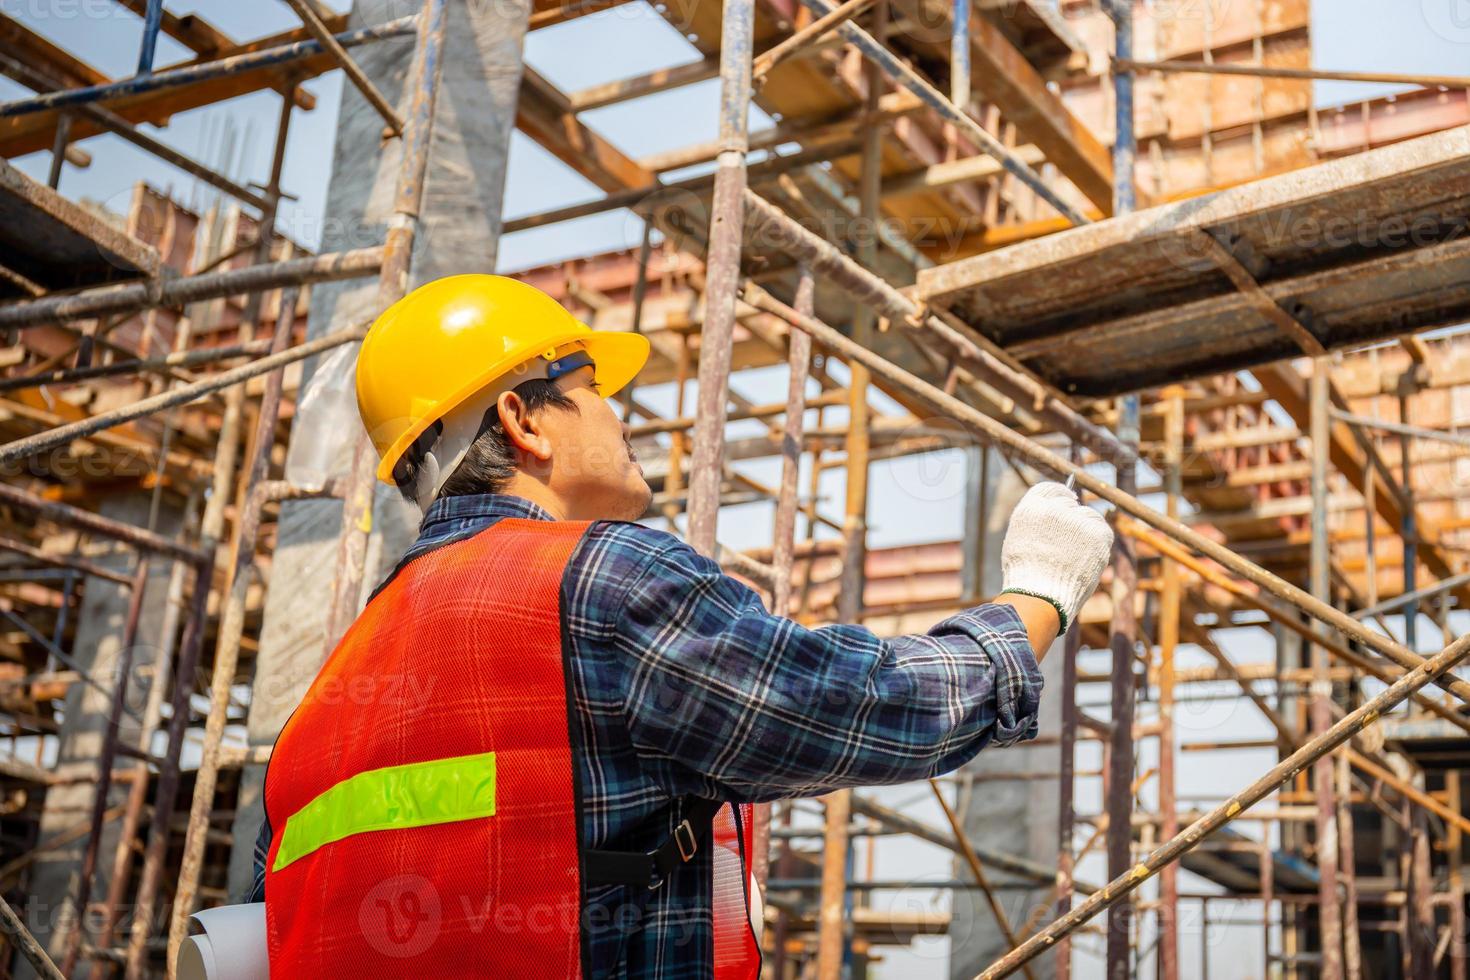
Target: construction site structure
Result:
[[1117, 243]]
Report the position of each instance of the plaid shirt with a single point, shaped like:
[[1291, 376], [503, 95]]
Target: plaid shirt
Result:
[[684, 684]]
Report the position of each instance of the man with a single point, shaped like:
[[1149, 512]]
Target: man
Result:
[[555, 705]]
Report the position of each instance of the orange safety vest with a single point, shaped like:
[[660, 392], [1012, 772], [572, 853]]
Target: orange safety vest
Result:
[[424, 794]]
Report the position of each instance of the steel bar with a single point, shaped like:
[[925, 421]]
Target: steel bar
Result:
[[19, 936], [960, 92], [152, 21], [911, 80], [997, 433], [106, 758], [722, 276], [58, 150], [798, 361], [831, 917], [393, 280], [1272, 71], [167, 789], [223, 68], [134, 297], [1206, 825], [181, 359], [56, 651], [132, 810], [640, 295], [85, 520], [857, 442], [1399, 601], [231, 630], [1168, 626], [647, 200], [350, 68], [110, 120], [1123, 629], [1407, 790], [65, 561], [1400, 428], [1352, 956], [1034, 872], [210, 285], [767, 223], [978, 871], [63, 434], [1329, 911], [1067, 768], [811, 32]]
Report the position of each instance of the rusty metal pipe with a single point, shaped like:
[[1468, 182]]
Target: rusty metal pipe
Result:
[[722, 275], [136, 296], [63, 434]]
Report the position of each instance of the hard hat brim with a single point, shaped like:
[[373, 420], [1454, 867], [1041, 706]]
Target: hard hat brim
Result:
[[618, 357]]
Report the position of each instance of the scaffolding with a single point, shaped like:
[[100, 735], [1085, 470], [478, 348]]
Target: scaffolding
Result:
[[1069, 332]]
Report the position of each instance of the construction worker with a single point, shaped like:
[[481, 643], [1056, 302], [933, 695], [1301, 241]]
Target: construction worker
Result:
[[532, 754]]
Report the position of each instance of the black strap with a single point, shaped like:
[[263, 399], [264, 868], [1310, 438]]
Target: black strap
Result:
[[650, 868]]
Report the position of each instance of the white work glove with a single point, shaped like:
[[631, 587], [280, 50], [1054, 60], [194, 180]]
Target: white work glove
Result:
[[1055, 549]]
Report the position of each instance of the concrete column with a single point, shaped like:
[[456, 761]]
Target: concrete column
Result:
[[459, 233], [1015, 816], [50, 911]]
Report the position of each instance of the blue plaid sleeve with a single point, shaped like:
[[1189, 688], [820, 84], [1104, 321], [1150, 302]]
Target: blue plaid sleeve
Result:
[[723, 698]]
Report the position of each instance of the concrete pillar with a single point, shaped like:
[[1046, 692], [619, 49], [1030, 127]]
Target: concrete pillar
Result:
[[1014, 816], [459, 232], [50, 911]]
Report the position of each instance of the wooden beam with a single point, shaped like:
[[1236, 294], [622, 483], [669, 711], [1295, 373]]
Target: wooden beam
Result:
[[545, 114]]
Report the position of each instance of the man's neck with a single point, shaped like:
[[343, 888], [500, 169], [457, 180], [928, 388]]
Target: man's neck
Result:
[[537, 493]]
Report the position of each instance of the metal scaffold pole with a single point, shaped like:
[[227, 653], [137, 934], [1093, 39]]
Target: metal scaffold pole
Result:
[[1329, 911], [1123, 631], [707, 465]]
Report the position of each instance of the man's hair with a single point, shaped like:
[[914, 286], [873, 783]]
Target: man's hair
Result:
[[491, 460]]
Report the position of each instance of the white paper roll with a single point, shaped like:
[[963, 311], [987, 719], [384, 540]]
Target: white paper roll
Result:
[[232, 945]]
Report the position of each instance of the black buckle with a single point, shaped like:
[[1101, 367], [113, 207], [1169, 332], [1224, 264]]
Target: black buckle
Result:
[[682, 833]]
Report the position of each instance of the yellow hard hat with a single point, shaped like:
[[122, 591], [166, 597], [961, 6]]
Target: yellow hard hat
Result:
[[450, 338]]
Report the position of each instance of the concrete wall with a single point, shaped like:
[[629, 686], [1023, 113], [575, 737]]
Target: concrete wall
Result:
[[460, 229], [1015, 816]]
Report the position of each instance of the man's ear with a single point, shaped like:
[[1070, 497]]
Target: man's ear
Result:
[[520, 428]]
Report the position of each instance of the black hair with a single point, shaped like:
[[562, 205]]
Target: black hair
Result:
[[492, 458]]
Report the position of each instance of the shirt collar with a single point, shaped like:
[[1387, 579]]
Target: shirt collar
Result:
[[481, 505]]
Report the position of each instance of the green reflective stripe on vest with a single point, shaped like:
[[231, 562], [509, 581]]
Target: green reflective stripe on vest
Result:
[[420, 794]]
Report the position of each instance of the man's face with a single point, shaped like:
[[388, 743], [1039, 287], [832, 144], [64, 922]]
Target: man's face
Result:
[[593, 469]]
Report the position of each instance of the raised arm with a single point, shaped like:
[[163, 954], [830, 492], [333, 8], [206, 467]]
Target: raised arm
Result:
[[724, 698]]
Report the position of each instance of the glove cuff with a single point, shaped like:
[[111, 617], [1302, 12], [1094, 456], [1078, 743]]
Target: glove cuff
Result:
[[1061, 613]]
